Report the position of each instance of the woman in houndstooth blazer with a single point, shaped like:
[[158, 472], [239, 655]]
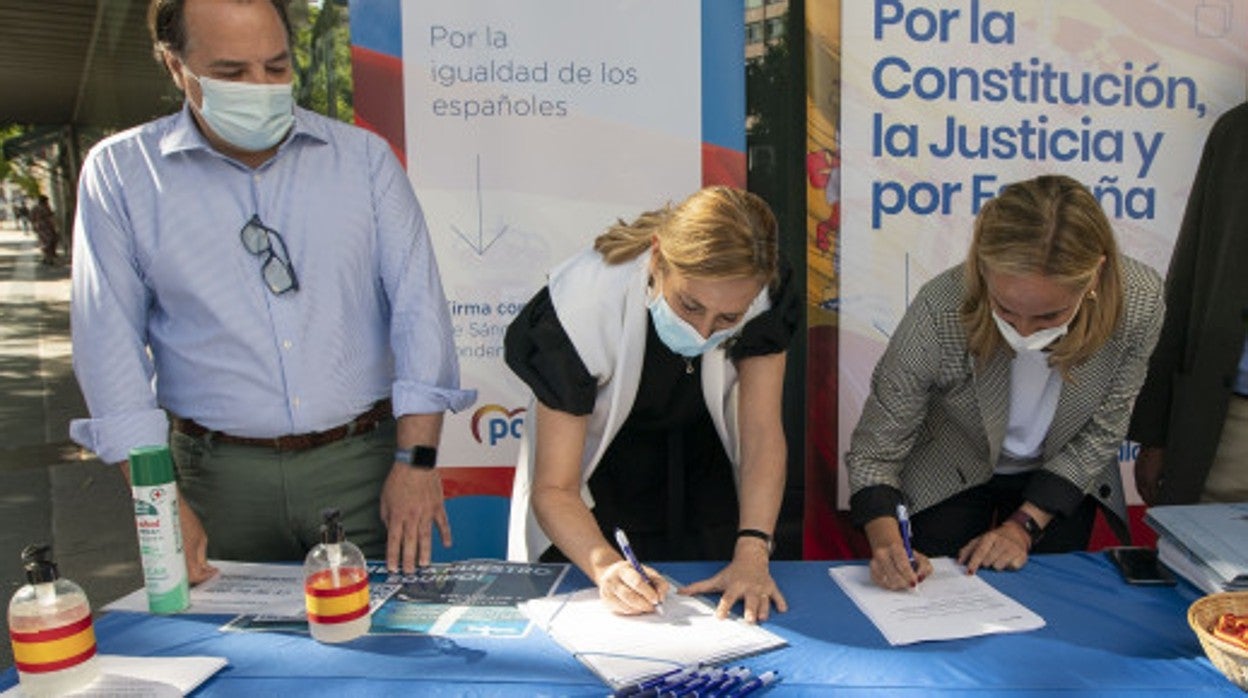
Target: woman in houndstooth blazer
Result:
[[998, 407]]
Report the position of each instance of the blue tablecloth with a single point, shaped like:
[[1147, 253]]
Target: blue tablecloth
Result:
[[1102, 636]]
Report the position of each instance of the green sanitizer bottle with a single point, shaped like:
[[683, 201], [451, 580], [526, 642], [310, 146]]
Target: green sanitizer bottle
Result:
[[160, 531]]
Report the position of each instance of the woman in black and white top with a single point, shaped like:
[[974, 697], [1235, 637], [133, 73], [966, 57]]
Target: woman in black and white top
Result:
[[656, 360]]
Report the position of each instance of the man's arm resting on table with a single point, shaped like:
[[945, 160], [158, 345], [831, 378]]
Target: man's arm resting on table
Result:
[[411, 498]]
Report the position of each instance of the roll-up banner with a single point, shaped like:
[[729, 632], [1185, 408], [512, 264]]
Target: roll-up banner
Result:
[[527, 127], [943, 102]]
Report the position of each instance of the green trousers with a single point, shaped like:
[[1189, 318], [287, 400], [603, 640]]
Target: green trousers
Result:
[[257, 504]]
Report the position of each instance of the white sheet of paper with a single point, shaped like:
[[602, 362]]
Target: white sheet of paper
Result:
[[948, 605], [624, 649], [145, 677], [238, 587]]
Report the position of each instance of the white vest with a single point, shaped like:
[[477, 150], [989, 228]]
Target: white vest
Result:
[[603, 310]]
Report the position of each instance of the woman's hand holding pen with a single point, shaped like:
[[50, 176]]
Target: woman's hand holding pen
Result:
[[746, 579], [890, 565], [627, 592]]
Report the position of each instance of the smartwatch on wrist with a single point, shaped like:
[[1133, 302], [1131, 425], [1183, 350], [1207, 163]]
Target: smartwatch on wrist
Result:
[[423, 457], [1029, 526], [761, 535]]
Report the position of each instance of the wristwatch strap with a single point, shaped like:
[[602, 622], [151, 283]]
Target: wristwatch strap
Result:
[[423, 457], [1029, 525], [761, 535]]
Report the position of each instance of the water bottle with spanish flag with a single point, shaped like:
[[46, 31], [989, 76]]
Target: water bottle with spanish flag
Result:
[[50, 627], [336, 585]]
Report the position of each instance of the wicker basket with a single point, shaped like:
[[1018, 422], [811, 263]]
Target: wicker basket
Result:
[[1229, 659]]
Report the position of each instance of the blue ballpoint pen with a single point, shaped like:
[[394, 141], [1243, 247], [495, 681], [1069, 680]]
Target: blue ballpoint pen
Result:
[[727, 682], [622, 541], [697, 683], [678, 673], [903, 519], [668, 683], [764, 679]]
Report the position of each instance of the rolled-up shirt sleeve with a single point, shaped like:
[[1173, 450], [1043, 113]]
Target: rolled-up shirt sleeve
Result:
[[108, 319], [112, 438], [421, 335]]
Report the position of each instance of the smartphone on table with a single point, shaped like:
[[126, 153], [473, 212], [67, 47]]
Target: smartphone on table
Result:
[[1140, 565]]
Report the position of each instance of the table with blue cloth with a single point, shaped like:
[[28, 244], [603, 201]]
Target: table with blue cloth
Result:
[[1102, 636]]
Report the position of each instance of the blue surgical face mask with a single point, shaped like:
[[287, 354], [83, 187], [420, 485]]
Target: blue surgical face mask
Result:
[[247, 115], [680, 336]]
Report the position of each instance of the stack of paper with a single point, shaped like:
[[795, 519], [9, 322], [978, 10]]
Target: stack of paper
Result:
[[625, 649], [1207, 544]]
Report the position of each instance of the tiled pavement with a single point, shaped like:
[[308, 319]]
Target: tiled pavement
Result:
[[50, 491]]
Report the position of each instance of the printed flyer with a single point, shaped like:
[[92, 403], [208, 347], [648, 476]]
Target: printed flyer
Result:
[[455, 599]]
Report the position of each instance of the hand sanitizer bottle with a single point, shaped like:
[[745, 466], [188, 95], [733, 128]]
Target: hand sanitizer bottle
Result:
[[51, 630], [336, 585], [160, 530]]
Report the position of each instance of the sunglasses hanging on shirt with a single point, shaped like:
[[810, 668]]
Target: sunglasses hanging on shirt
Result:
[[276, 270]]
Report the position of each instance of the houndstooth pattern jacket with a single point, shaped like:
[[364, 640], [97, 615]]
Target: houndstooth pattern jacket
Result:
[[934, 421]]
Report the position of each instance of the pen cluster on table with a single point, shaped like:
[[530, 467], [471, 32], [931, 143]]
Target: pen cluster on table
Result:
[[698, 680]]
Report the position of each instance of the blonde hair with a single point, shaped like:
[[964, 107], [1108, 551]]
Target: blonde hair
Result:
[[717, 233], [1052, 226]]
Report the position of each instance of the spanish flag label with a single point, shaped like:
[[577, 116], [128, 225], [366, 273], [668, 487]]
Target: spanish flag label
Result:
[[54, 649], [337, 603]]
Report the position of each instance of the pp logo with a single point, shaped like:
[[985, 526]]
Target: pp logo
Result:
[[500, 423]]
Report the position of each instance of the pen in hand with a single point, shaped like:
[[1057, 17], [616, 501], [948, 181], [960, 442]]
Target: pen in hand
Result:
[[627, 550], [903, 520]]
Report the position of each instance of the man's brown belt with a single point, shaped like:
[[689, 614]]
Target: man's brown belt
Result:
[[362, 424]]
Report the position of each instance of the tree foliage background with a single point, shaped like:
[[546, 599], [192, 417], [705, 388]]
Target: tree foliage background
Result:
[[322, 47], [769, 83], [24, 171]]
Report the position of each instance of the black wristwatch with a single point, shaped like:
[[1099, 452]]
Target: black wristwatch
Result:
[[1029, 525], [423, 457], [761, 535]]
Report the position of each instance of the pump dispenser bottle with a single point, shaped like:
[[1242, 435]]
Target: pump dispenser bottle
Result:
[[51, 630], [336, 585]]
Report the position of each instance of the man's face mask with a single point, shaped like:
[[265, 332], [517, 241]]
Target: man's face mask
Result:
[[246, 115]]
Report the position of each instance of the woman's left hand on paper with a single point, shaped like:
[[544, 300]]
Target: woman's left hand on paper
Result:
[[746, 579], [1002, 548]]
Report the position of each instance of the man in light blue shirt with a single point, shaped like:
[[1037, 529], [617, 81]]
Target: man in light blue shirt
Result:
[[262, 277]]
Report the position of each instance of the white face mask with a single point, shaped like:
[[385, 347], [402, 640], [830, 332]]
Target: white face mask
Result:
[[1036, 340], [246, 115]]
